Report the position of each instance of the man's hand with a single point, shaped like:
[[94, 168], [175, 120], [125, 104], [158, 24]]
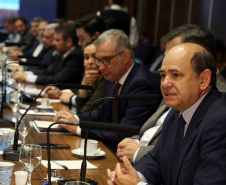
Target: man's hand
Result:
[[66, 116], [52, 92], [65, 96], [123, 176], [20, 76], [17, 68], [127, 147]]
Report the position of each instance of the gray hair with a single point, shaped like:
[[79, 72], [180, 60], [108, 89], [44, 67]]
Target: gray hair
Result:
[[121, 40], [52, 27]]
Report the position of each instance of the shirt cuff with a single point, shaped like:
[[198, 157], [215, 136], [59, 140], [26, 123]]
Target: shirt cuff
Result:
[[31, 78], [73, 102], [144, 180], [78, 131], [67, 90], [135, 156]]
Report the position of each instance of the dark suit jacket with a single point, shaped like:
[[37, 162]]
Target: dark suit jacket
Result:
[[27, 39], [221, 86], [202, 158], [67, 70], [139, 81]]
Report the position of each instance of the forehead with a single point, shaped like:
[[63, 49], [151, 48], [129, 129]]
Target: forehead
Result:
[[106, 48], [89, 48], [177, 58], [81, 32], [58, 35], [19, 22]]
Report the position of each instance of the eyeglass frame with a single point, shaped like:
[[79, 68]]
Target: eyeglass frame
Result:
[[107, 60]]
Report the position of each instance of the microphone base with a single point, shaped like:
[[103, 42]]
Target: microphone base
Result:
[[6, 123], [62, 182], [12, 155]]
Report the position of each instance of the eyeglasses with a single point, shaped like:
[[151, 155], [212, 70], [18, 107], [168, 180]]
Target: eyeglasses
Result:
[[106, 61]]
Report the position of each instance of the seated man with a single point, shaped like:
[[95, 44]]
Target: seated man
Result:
[[193, 136], [115, 58], [151, 130], [68, 65]]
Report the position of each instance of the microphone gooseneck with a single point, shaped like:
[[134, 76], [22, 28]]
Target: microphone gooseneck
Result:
[[14, 154], [48, 147]]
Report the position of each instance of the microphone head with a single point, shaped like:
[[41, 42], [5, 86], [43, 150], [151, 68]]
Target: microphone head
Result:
[[14, 44], [136, 97], [73, 86]]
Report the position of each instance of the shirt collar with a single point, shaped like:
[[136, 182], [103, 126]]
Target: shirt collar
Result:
[[66, 54], [187, 114], [123, 78]]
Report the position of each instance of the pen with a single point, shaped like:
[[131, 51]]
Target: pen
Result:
[[65, 167], [48, 183]]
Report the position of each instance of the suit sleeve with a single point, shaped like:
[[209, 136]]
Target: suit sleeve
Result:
[[71, 72], [213, 151], [133, 113]]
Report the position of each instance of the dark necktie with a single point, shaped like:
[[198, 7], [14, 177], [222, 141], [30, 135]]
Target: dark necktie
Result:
[[178, 145], [114, 103]]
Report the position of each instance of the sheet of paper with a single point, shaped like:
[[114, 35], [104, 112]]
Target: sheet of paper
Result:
[[51, 100], [45, 124], [71, 164], [33, 91], [35, 112]]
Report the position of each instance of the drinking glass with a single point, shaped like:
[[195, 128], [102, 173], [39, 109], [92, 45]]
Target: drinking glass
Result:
[[30, 158], [24, 127]]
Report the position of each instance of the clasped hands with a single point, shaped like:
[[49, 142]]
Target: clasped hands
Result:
[[123, 176]]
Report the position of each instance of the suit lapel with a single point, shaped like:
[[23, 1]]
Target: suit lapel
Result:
[[193, 126]]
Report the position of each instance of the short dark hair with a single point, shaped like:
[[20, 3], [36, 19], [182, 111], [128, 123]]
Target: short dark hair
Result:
[[23, 19], [191, 33], [67, 31], [91, 41], [220, 47], [37, 19], [9, 20], [91, 24], [119, 2], [204, 60]]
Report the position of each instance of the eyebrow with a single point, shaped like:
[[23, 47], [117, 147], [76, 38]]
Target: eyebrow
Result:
[[170, 70]]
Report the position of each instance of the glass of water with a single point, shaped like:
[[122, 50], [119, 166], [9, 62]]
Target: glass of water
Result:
[[24, 127], [30, 158]]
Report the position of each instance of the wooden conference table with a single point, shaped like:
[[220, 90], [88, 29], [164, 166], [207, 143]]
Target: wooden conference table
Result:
[[99, 175]]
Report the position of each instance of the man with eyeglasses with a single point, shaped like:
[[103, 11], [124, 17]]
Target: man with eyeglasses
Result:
[[115, 58]]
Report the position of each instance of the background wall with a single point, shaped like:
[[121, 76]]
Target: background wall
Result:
[[157, 17]]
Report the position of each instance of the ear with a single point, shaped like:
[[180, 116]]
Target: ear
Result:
[[69, 42], [97, 34], [205, 78], [126, 56]]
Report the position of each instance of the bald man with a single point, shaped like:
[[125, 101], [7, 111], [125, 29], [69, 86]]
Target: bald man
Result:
[[193, 136]]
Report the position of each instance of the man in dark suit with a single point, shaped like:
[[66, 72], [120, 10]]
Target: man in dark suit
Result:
[[193, 136], [115, 58], [68, 65], [152, 128]]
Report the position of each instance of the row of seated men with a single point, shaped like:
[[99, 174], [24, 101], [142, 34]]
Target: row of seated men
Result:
[[112, 60]]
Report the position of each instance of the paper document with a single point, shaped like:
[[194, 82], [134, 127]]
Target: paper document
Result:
[[71, 164], [41, 113]]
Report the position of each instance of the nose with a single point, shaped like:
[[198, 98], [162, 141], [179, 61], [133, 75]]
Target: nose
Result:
[[101, 66], [166, 82]]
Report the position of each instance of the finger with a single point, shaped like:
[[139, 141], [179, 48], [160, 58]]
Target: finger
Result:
[[118, 169], [128, 165]]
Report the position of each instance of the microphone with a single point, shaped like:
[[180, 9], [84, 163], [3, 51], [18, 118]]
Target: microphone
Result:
[[73, 86], [48, 147], [13, 154], [32, 64], [109, 127], [14, 44], [30, 57], [136, 97]]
